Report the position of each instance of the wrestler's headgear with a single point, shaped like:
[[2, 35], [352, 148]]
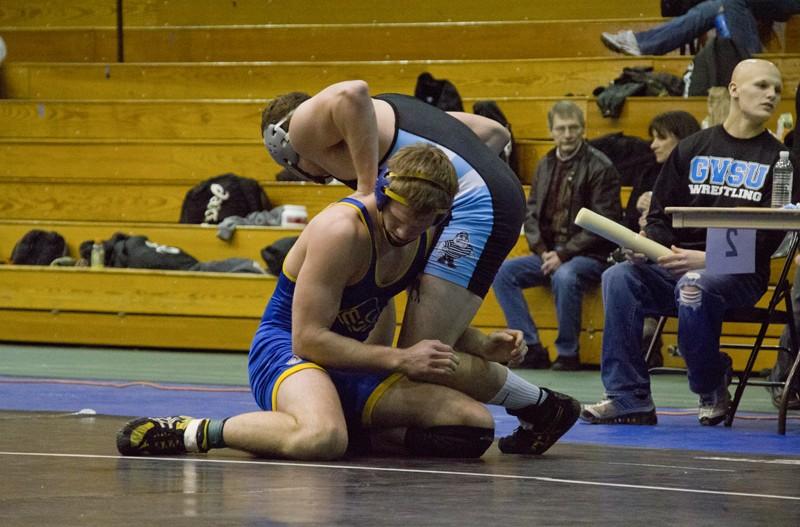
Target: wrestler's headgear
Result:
[[276, 139], [383, 193]]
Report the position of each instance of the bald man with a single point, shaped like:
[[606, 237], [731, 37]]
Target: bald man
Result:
[[724, 166]]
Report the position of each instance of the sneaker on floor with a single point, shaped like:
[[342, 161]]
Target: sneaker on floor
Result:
[[572, 363], [536, 358], [621, 410], [622, 42], [162, 435], [713, 407], [541, 425]]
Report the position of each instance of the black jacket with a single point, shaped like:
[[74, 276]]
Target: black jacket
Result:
[[596, 186]]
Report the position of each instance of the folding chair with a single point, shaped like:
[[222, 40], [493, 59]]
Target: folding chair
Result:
[[764, 316]]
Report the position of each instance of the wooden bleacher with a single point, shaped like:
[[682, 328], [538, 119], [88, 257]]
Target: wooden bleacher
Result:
[[315, 42], [190, 140], [102, 13], [475, 79], [89, 147], [260, 80], [238, 120]]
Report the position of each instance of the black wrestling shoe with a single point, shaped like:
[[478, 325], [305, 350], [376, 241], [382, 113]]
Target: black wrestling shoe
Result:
[[542, 425], [536, 358], [161, 436]]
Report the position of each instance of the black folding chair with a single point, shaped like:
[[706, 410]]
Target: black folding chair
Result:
[[764, 316]]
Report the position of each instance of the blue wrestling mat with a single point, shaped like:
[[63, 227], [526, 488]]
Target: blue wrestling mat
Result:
[[677, 429]]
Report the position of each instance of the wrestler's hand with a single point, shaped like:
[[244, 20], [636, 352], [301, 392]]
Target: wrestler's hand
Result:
[[428, 360], [506, 346]]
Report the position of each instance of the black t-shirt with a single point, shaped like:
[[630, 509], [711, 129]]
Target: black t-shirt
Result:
[[714, 169]]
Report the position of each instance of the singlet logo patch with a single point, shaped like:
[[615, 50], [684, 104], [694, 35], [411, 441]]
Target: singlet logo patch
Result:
[[362, 317], [725, 176], [448, 251]]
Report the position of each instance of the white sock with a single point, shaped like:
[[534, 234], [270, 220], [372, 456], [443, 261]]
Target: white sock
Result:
[[517, 393], [190, 435]]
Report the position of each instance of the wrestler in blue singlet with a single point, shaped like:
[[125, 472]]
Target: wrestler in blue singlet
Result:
[[271, 359]]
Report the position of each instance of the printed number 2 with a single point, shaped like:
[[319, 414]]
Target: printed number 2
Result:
[[729, 234]]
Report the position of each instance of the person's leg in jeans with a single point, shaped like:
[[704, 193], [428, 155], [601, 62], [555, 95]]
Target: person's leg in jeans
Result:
[[684, 29], [569, 283], [515, 275], [702, 300], [630, 293]]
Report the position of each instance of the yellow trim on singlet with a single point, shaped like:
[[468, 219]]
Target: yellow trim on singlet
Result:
[[375, 396], [285, 375], [287, 274]]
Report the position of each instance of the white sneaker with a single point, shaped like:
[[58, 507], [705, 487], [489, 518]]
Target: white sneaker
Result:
[[622, 410], [622, 42], [713, 407]]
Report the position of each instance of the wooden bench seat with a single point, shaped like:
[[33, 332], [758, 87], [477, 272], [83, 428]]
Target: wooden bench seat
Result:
[[516, 39], [238, 120], [141, 200], [260, 80], [326, 42], [479, 79], [200, 241], [205, 311], [90, 13]]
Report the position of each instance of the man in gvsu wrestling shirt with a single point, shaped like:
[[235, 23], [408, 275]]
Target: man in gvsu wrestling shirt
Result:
[[724, 166]]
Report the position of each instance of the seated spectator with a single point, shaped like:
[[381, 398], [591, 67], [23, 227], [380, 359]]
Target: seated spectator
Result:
[[666, 131], [564, 256], [678, 283], [740, 17]]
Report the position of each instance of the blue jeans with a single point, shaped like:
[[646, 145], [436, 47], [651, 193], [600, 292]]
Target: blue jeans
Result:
[[685, 28], [568, 284], [633, 291]]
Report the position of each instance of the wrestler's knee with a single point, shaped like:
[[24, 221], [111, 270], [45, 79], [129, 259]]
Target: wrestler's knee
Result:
[[322, 441]]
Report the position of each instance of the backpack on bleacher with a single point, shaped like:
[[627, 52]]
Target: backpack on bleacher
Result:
[[491, 110], [214, 199], [137, 252], [274, 254], [39, 247], [438, 92], [713, 65]]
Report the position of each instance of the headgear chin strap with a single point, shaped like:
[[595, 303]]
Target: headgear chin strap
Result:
[[276, 139]]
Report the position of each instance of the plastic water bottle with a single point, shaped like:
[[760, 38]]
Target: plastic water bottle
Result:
[[721, 24], [782, 175], [98, 258]]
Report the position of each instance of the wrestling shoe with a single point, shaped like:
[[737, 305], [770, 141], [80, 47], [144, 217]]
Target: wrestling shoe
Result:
[[621, 410], [622, 42], [163, 436], [713, 407], [541, 425]]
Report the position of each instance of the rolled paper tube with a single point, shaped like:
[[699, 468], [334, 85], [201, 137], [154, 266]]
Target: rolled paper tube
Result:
[[611, 230]]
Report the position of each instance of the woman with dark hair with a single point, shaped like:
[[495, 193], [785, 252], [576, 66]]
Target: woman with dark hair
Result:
[[666, 131]]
